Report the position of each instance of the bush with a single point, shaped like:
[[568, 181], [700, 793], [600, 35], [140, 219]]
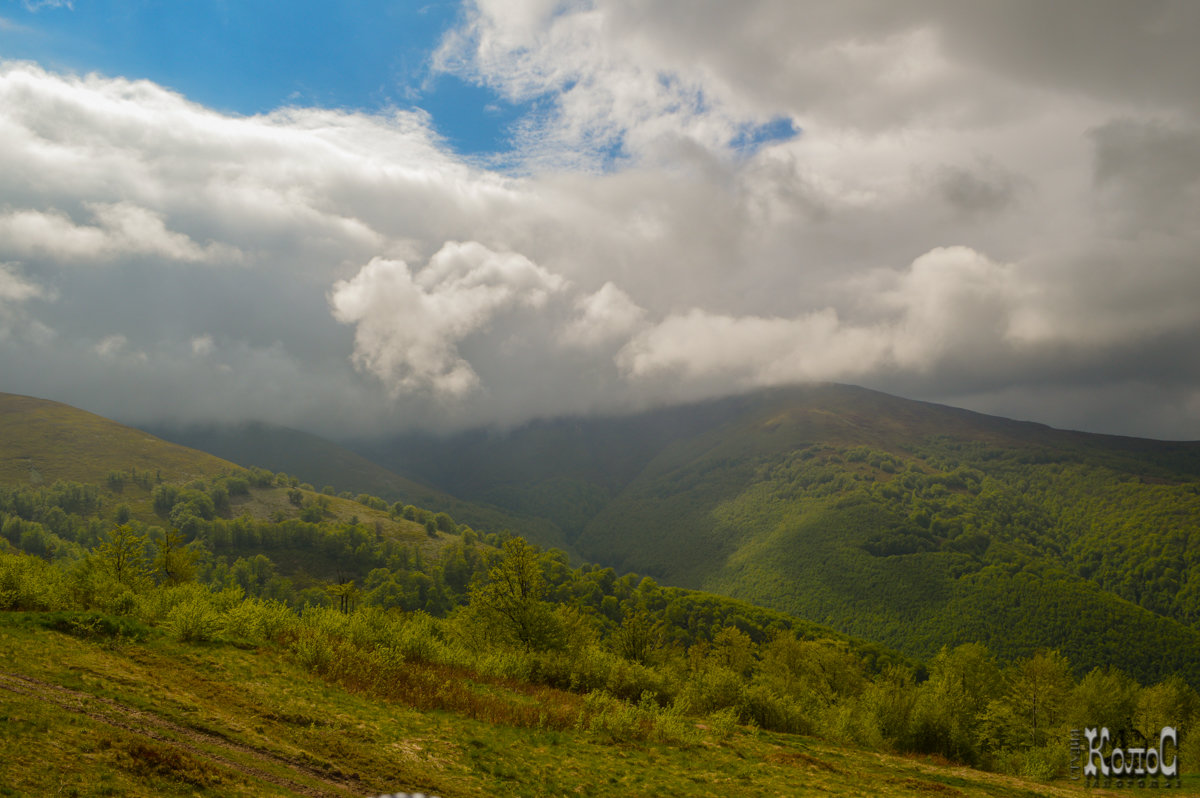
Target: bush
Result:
[[623, 721], [29, 583], [723, 722], [765, 708], [1043, 763], [713, 687], [419, 637], [93, 625], [612, 718], [193, 620], [257, 621], [312, 650]]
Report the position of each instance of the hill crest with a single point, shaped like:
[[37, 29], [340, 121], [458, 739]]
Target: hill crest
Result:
[[42, 441]]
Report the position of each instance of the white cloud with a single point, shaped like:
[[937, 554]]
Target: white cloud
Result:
[[14, 288], [110, 346], [753, 350], [203, 346], [605, 316], [38, 5], [15, 319], [408, 327], [950, 303], [983, 200], [122, 229]]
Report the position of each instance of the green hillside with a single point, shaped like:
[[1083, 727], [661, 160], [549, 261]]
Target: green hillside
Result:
[[43, 441], [55, 455], [905, 522], [321, 463], [243, 634]]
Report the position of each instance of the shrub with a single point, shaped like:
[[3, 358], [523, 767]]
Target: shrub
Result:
[[711, 688], [29, 583], [193, 620], [257, 621], [623, 721], [612, 718], [723, 722], [94, 625], [419, 637], [312, 650], [764, 707]]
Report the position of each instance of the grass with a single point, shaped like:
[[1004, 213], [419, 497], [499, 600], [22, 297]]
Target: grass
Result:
[[112, 715], [45, 441]]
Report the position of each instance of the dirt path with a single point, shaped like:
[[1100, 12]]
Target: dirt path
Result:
[[146, 724]]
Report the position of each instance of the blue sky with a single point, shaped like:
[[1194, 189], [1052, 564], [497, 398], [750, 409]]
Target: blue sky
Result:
[[253, 56], [357, 216]]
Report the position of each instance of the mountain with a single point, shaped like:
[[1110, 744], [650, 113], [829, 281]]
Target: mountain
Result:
[[321, 462], [300, 454], [910, 523], [43, 441]]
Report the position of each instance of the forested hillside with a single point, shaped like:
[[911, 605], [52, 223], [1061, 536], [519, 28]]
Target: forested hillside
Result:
[[905, 522], [321, 462]]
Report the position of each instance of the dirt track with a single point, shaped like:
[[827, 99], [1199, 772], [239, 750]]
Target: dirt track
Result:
[[146, 724]]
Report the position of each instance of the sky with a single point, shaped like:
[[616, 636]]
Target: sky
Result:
[[364, 217]]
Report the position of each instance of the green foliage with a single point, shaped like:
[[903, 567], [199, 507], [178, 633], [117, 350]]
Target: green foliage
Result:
[[930, 545], [255, 620], [95, 625], [30, 583], [194, 619], [639, 637], [122, 557], [173, 563], [511, 598], [969, 709]]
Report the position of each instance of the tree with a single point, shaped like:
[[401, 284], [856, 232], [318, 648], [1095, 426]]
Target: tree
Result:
[[345, 592], [1037, 697], [512, 598], [734, 649], [952, 703], [173, 563], [123, 556], [1105, 697], [638, 638]]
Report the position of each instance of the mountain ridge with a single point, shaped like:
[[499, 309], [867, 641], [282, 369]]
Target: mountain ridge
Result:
[[911, 523]]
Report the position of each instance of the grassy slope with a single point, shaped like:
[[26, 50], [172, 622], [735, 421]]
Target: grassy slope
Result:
[[43, 441], [321, 462], [158, 717]]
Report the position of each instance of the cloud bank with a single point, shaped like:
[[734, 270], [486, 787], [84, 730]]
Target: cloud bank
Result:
[[988, 205]]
